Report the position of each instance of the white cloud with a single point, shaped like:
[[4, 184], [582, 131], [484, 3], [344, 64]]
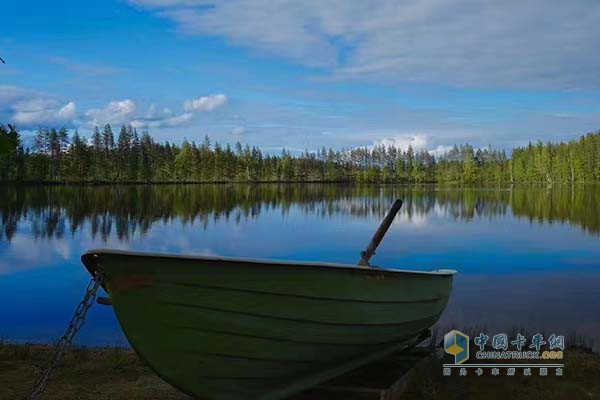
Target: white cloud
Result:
[[417, 142], [155, 112], [163, 122], [205, 103], [534, 44], [161, 118], [440, 150], [126, 112], [42, 112], [68, 112], [29, 109], [115, 112], [238, 131]]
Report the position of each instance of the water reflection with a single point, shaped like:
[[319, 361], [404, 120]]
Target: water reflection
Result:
[[126, 210], [526, 256]]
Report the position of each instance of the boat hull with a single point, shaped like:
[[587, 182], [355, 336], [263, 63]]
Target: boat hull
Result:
[[220, 328]]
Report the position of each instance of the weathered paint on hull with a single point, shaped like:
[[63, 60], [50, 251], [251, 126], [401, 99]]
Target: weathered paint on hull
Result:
[[221, 328]]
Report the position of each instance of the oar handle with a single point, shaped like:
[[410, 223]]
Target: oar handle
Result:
[[366, 255]]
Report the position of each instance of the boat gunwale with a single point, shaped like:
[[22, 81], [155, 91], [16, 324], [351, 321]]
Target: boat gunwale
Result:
[[88, 257]]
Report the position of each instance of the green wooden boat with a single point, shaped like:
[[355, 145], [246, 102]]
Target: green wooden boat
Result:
[[229, 328], [225, 328]]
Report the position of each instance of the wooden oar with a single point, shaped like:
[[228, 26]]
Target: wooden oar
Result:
[[366, 255]]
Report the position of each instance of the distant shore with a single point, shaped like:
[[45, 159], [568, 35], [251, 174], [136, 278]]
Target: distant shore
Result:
[[117, 374], [482, 185]]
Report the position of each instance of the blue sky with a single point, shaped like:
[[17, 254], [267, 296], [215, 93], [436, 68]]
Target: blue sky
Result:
[[306, 74]]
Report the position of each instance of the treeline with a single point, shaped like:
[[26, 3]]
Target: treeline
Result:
[[58, 156]]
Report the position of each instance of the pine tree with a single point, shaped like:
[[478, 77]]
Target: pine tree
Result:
[[142, 159], [10, 153]]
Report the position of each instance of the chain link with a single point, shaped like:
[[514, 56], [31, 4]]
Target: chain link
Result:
[[65, 342]]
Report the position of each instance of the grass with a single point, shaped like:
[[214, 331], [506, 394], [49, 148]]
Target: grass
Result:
[[116, 373], [111, 373], [580, 380]]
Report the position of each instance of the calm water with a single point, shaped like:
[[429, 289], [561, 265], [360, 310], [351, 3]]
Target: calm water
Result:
[[527, 257]]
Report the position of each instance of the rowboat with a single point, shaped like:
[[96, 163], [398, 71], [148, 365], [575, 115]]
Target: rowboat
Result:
[[232, 328]]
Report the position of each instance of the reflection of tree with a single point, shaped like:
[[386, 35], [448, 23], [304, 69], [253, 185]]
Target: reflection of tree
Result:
[[126, 210], [575, 204]]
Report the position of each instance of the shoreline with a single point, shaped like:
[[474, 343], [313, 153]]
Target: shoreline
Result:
[[116, 373], [454, 185]]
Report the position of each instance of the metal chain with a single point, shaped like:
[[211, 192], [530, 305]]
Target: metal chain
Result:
[[65, 342]]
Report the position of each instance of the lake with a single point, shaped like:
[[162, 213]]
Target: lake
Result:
[[528, 258]]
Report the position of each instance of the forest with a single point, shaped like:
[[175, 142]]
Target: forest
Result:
[[106, 157]]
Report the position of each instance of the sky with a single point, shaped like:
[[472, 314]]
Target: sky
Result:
[[302, 75]]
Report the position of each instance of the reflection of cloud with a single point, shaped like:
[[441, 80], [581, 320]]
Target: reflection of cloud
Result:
[[416, 220], [25, 253], [63, 249], [27, 247]]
